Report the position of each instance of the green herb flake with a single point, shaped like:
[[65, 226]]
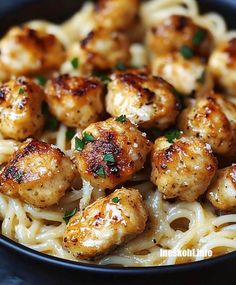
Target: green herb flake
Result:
[[172, 134], [102, 76], [18, 177], [21, 90], [75, 62], [41, 80], [105, 79], [101, 172], [186, 52], [109, 157], [121, 118], [120, 66], [198, 37], [69, 214], [70, 134], [115, 200], [88, 138], [52, 123], [201, 79], [79, 144]]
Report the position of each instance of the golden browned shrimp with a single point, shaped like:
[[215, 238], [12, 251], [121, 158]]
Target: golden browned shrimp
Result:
[[183, 169], [105, 224], [38, 174], [20, 108], [186, 75], [116, 14], [145, 100], [222, 65], [75, 101], [26, 51], [222, 191], [176, 32], [213, 119], [108, 153], [179, 50], [100, 49]]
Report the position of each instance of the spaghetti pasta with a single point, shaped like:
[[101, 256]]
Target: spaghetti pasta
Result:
[[172, 226]]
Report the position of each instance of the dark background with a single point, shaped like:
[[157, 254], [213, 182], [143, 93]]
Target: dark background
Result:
[[11, 272]]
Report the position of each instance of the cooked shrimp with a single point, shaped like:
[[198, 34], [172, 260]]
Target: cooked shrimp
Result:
[[213, 119], [20, 108], [145, 100], [184, 74], [183, 169], [222, 191], [110, 152], [222, 65], [38, 173], [25, 51], [105, 224], [116, 14], [75, 101], [100, 49], [176, 32]]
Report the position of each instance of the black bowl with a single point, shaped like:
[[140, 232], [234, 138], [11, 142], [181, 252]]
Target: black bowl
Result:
[[25, 266]]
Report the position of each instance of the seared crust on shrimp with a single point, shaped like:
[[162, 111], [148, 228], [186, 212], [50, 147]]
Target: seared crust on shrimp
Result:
[[105, 224], [145, 100], [222, 191], [177, 31], [38, 173], [75, 101], [101, 49], [110, 152], [183, 169], [222, 65], [26, 51], [116, 14], [20, 108], [213, 119]]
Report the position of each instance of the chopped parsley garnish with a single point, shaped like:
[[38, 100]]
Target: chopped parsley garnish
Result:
[[120, 66], [172, 134], [69, 214], [75, 62], [186, 52], [101, 172], [51, 122], [41, 80], [70, 133], [115, 200], [88, 138], [199, 37], [102, 76], [21, 90], [18, 177], [109, 157], [79, 144], [202, 78], [105, 79], [121, 118]]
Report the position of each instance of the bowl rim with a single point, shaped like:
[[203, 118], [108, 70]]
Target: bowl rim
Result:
[[94, 268], [37, 256]]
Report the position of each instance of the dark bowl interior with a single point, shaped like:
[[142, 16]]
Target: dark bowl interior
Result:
[[36, 268]]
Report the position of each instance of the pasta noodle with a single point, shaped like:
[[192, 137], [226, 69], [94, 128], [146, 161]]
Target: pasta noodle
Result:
[[173, 226]]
